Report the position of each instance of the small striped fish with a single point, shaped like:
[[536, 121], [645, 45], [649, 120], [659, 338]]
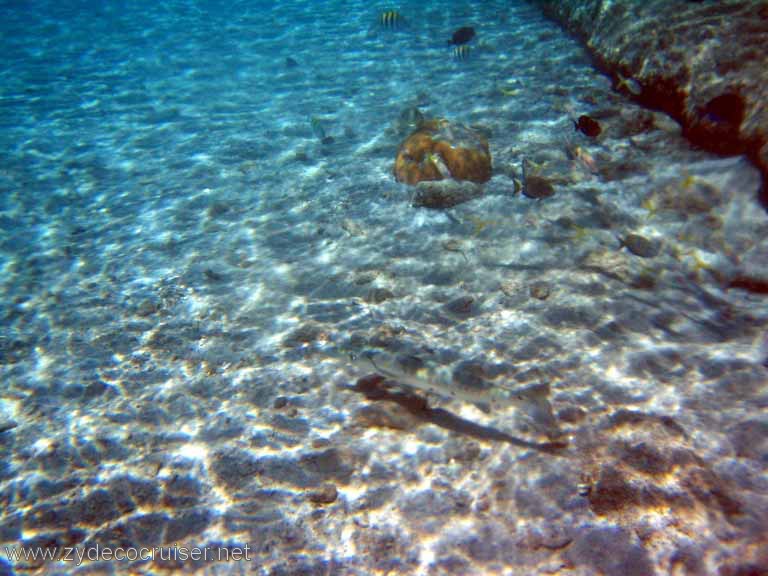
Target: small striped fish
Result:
[[391, 19], [461, 52]]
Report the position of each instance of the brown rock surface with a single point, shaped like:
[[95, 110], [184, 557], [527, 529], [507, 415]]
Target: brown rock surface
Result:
[[441, 150], [703, 63]]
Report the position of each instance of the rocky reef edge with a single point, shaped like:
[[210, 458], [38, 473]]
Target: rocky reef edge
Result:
[[703, 63]]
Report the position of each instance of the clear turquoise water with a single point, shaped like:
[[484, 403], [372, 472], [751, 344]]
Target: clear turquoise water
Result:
[[183, 258]]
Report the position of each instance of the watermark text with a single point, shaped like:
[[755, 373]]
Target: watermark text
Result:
[[76, 555]]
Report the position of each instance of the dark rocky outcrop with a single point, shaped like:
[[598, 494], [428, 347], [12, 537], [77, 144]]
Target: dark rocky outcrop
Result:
[[703, 63]]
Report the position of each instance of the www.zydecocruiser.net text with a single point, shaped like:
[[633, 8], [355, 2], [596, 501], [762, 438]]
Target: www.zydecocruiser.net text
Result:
[[78, 556]]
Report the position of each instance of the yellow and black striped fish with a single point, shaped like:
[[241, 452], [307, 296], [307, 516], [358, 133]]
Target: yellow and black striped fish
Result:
[[391, 19], [461, 52]]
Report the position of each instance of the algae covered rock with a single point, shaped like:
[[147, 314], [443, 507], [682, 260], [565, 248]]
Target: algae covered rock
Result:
[[703, 63], [441, 150], [444, 194]]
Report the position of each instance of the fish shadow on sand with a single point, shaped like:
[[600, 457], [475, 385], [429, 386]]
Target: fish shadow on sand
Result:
[[373, 387]]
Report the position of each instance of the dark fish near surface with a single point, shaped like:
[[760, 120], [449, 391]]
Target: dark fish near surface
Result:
[[411, 118], [587, 126], [462, 35], [640, 246], [535, 186], [319, 131], [317, 127], [391, 19], [461, 52]]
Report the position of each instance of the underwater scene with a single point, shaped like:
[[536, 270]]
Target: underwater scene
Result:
[[358, 288]]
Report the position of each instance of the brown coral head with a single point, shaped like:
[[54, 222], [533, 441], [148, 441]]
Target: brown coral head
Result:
[[440, 150]]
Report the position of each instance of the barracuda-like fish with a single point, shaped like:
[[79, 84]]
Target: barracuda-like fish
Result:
[[415, 373]]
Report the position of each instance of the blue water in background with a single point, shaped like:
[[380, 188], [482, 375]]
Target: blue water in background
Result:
[[101, 99]]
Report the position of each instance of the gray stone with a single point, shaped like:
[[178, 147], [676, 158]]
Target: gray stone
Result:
[[222, 427], [442, 194], [538, 347], [326, 494], [13, 351], [750, 439], [182, 491], [689, 559], [664, 365], [301, 566], [58, 459], [144, 492], [118, 342], [626, 558], [742, 384], [431, 504], [190, 522], [452, 564], [378, 295], [298, 426], [120, 489], [562, 317], [114, 536], [147, 529], [10, 528], [90, 453], [234, 468], [111, 448], [97, 508], [376, 498], [45, 488], [262, 507], [50, 516], [462, 307], [390, 551], [440, 276], [326, 465], [153, 415], [286, 470], [645, 458]]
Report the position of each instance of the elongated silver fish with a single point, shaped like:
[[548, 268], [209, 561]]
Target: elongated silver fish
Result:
[[411, 371]]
